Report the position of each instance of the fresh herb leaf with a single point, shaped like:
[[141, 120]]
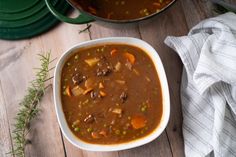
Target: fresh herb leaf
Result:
[[29, 107]]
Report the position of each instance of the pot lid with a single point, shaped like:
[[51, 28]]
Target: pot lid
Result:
[[26, 18]]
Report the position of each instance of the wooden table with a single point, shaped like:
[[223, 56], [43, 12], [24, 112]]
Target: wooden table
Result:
[[17, 58]]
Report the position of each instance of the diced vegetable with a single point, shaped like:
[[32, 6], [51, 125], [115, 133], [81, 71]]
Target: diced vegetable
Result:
[[89, 119], [113, 52], [76, 56], [157, 4], [77, 91], [85, 102], [148, 79], [138, 122], [103, 132], [117, 132], [102, 93], [117, 66], [117, 110], [75, 123], [95, 135], [136, 72], [143, 108], [89, 130], [100, 86], [124, 132], [67, 91], [128, 65], [76, 129], [91, 62], [130, 57], [120, 81], [87, 91], [89, 83]]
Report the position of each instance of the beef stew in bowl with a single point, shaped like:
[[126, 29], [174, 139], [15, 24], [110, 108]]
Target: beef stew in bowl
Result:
[[110, 94]]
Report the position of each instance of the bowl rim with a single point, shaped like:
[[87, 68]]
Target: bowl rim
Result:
[[120, 146]]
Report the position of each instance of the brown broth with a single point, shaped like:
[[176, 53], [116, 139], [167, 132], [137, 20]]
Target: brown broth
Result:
[[122, 9], [130, 104]]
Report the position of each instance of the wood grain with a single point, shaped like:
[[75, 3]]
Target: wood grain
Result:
[[155, 32], [158, 148], [45, 125], [5, 136]]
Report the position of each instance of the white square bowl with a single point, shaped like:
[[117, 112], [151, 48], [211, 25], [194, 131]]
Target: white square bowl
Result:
[[121, 146]]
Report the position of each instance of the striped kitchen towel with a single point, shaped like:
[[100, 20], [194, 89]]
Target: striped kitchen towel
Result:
[[208, 88]]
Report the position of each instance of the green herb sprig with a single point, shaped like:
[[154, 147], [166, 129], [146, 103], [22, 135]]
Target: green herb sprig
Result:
[[29, 106]]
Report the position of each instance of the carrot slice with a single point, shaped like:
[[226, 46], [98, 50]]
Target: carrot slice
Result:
[[100, 85], [130, 57], [68, 91], [87, 91], [95, 135], [103, 132], [138, 122], [113, 52], [102, 93], [157, 4]]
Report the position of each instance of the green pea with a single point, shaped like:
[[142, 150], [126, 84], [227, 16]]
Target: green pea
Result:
[[124, 132], [144, 108], [76, 129], [89, 130], [117, 132], [76, 56]]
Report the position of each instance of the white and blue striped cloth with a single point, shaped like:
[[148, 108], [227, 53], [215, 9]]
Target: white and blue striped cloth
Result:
[[208, 89]]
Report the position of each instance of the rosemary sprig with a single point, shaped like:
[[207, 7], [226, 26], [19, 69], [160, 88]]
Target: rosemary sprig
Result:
[[29, 107]]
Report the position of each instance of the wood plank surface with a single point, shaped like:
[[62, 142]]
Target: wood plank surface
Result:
[[5, 141], [17, 58], [155, 31]]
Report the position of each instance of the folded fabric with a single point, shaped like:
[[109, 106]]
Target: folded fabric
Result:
[[208, 88]]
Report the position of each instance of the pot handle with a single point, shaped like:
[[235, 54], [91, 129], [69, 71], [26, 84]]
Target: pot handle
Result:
[[80, 19]]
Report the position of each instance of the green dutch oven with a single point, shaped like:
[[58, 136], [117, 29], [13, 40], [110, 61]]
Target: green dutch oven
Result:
[[86, 17]]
